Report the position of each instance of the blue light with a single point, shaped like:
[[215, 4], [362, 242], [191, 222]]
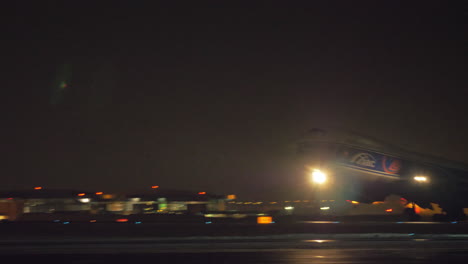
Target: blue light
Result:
[[273, 222], [137, 222], [411, 234], [66, 223], [56, 221], [209, 222], [400, 222], [454, 222]]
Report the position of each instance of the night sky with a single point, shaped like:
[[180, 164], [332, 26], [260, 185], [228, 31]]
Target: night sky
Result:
[[212, 97]]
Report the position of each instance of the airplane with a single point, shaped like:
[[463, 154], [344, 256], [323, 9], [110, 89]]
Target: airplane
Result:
[[371, 169]]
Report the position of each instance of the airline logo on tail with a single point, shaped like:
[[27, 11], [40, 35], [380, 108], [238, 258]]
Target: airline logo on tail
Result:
[[391, 165], [369, 161], [363, 159]]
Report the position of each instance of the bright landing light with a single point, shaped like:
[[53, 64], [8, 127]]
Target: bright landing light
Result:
[[318, 176], [420, 178]]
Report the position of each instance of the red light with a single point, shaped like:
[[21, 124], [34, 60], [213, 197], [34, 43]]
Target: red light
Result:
[[81, 194], [417, 209], [38, 188], [389, 210], [10, 198], [99, 193], [154, 187], [122, 220], [201, 193]]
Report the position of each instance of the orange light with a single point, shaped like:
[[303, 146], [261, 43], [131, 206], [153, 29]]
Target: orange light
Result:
[[264, 220], [99, 193], [231, 197], [389, 210], [122, 220], [417, 209], [354, 202], [81, 194], [92, 221], [107, 196], [38, 188], [154, 187], [201, 193]]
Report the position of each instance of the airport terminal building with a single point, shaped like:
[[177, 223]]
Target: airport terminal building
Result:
[[43, 203]]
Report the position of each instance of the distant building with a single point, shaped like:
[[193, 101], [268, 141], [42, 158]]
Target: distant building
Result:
[[46, 204]]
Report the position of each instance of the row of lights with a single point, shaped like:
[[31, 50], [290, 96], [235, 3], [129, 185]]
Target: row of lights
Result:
[[260, 220], [79, 194], [320, 177], [100, 193], [296, 201]]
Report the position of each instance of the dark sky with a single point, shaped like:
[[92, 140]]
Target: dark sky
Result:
[[211, 97]]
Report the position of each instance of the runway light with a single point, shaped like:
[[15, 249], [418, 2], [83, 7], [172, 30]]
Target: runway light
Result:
[[325, 208], [38, 188], [264, 220], [389, 210], [288, 208], [318, 176], [99, 193], [122, 220], [354, 202], [154, 187], [420, 178], [201, 193], [84, 200], [318, 241], [81, 194]]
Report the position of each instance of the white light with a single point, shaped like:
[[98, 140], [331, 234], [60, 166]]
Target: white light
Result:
[[325, 208], [84, 200], [420, 178], [318, 176], [288, 207]]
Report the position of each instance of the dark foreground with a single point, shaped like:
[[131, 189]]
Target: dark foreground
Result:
[[260, 252], [142, 229], [305, 242]]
